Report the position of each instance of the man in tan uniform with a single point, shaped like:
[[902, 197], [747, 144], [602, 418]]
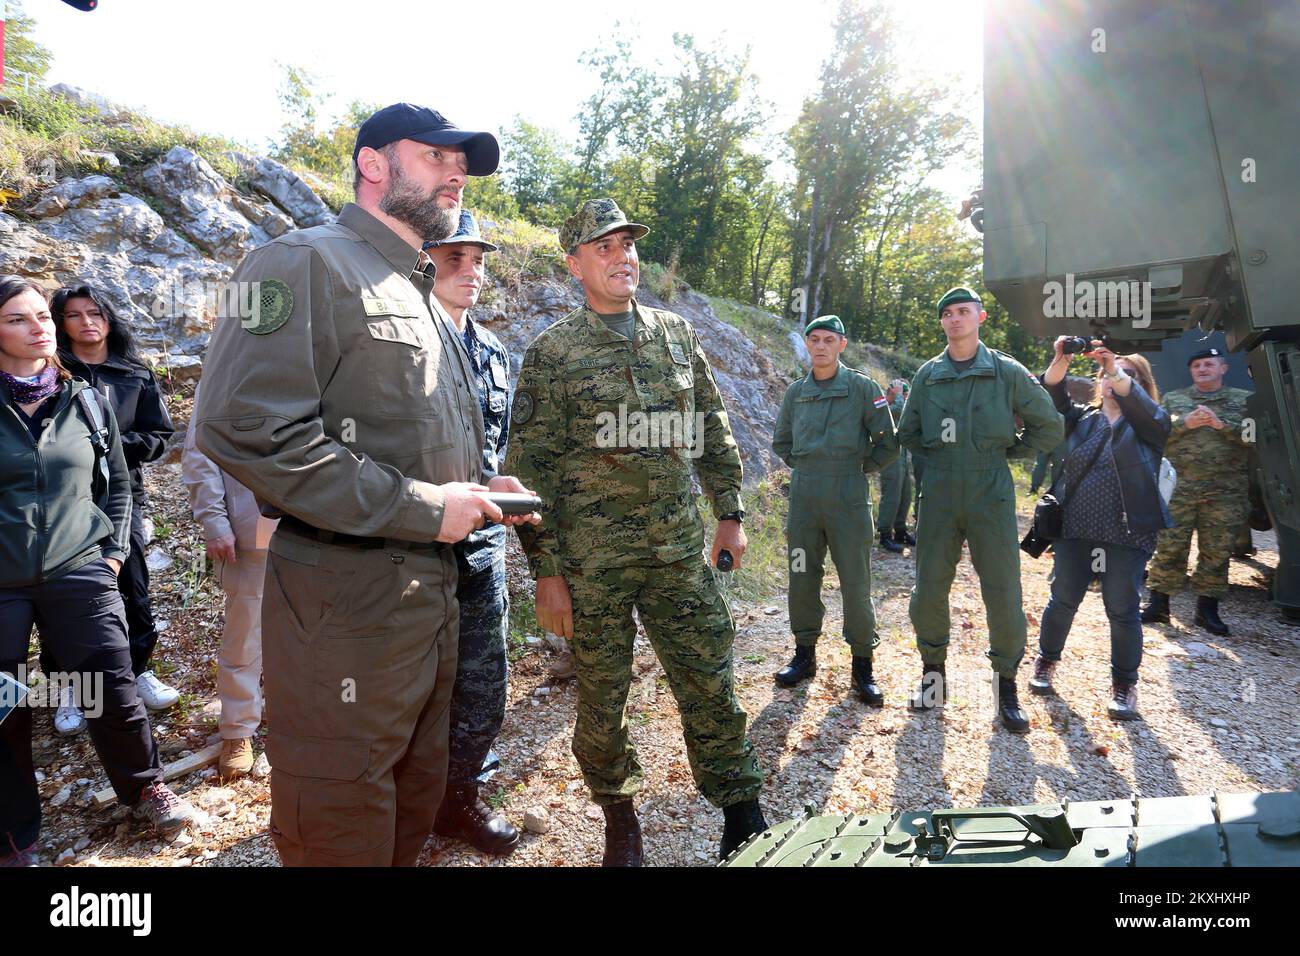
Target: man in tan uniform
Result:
[[237, 535], [335, 391]]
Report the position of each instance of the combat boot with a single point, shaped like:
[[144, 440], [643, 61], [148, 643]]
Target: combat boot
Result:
[[622, 835], [1157, 609], [934, 688], [889, 544], [865, 684], [742, 821], [1123, 701], [463, 816], [1044, 670], [1012, 717], [802, 666], [1207, 615], [902, 536]]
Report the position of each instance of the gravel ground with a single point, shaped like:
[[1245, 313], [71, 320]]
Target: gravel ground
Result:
[[1220, 713]]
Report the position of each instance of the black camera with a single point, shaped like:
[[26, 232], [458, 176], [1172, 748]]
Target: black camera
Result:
[[1075, 344]]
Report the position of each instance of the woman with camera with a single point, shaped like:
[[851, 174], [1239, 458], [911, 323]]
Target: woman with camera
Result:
[[65, 515], [1111, 510]]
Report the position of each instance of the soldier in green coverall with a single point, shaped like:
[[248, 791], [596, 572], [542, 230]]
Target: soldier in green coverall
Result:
[[895, 484], [960, 421], [834, 427]]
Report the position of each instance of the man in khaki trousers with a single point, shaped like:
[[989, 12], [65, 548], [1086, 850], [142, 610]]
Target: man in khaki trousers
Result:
[[237, 536]]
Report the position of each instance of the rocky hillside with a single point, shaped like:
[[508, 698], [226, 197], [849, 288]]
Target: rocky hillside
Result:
[[162, 236]]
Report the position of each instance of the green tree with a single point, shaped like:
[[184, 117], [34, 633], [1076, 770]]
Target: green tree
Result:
[[539, 172], [22, 54], [861, 146], [303, 144]]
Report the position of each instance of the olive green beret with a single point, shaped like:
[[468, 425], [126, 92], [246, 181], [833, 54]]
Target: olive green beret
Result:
[[957, 294], [831, 322]]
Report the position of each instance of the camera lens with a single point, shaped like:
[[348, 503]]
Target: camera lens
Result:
[[1075, 343]]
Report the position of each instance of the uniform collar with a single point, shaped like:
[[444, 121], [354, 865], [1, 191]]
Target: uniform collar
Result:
[[1197, 393], [944, 369], [644, 326], [404, 259], [839, 385]]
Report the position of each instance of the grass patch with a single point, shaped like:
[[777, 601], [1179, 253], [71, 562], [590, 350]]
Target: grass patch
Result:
[[763, 572], [523, 622]]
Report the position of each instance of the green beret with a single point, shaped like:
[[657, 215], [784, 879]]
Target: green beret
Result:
[[957, 294], [831, 322]]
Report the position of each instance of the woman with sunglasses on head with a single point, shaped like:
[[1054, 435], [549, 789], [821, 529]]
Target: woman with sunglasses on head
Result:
[[1111, 508], [65, 513]]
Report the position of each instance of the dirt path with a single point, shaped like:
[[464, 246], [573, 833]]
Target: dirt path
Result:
[[1219, 713]]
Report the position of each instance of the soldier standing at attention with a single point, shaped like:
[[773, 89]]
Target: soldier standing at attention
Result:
[[1212, 496], [895, 484], [335, 390], [834, 429], [612, 404], [960, 421], [478, 701]]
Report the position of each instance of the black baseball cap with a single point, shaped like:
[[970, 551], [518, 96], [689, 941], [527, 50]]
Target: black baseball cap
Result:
[[408, 121]]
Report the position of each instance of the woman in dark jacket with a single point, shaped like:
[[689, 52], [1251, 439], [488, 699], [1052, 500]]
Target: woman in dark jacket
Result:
[[1112, 510], [65, 511], [96, 345]]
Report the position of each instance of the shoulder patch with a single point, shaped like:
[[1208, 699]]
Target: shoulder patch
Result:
[[272, 307], [522, 408], [880, 402]]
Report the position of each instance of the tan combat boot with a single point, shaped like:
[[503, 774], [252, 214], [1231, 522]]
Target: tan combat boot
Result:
[[236, 758]]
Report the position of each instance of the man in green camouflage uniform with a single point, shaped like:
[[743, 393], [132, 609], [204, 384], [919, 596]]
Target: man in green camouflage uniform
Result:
[[1209, 449], [960, 420], [613, 403], [833, 429], [895, 484]]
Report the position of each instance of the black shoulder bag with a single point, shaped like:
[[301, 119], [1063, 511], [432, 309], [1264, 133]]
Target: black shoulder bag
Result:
[[1049, 518], [94, 412]]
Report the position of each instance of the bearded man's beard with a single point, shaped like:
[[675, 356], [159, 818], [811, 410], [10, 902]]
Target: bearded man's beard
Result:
[[406, 202]]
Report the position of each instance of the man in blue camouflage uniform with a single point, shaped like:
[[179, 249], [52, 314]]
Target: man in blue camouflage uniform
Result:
[[478, 700]]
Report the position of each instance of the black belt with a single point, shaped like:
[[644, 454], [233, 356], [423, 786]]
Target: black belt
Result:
[[290, 523]]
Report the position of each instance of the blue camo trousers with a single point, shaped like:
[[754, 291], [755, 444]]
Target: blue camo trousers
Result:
[[478, 699]]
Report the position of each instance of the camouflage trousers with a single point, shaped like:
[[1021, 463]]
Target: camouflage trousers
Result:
[[1215, 515], [691, 630], [478, 698]]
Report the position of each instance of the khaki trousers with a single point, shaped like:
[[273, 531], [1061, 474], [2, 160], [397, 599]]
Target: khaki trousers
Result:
[[239, 662], [360, 660]]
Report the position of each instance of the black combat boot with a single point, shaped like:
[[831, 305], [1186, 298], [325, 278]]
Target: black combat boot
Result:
[[865, 684], [934, 688], [463, 816], [1013, 718], [742, 821], [1123, 701], [889, 544], [802, 666], [901, 536], [622, 835], [1157, 609], [1207, 615]]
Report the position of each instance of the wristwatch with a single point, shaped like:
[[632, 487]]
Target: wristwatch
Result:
[[736, 516], [1116, 375]]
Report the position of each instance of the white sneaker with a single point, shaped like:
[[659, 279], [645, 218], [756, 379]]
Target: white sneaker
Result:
[[155, 694], [68, 719]]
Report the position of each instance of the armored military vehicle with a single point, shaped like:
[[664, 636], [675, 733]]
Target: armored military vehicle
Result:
[[1242, 829], [1140, 182]]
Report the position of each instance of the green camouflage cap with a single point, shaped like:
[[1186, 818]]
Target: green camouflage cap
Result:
[[831, 322], [595, 218], [957, 294]]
